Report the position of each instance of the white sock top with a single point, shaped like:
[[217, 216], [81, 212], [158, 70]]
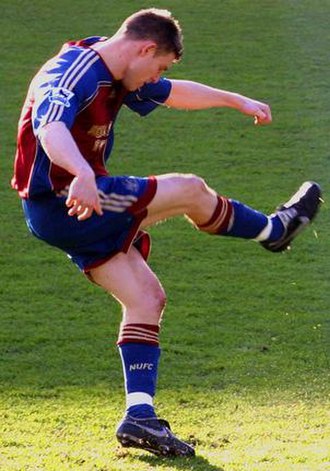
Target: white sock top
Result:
[[266, 231], [137, 398]]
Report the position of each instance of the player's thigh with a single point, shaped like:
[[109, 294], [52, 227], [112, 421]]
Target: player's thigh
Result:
[[174, 191], [176, 194], [131, 281]]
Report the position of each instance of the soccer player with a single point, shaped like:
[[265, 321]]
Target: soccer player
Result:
[[65, 136]]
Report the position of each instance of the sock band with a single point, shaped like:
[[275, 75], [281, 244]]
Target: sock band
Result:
[[220, 218], [137, 398], [139, 333], [265, 233]]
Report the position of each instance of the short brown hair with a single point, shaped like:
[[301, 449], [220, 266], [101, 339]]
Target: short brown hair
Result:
[[157, 25]]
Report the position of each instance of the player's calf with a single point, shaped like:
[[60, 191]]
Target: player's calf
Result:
[[235, 219], [274, 232]]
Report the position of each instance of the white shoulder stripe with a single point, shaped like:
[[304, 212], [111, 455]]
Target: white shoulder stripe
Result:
[[81, 58], [69, 80], [75, 81], [75, 66]]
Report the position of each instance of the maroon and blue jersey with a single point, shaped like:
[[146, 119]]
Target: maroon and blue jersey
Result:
[[74, 87]]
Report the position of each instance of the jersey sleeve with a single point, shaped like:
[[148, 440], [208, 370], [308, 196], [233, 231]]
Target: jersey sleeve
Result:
[[61, 88], [147, 98]]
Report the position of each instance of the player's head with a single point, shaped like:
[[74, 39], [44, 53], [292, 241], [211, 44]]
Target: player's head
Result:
[[154, 40], [158, 26]]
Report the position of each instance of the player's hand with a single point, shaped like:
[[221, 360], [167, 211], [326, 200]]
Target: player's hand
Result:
[[83, 197], [260, 111]]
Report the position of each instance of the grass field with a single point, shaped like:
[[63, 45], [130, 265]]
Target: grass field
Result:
[[245, 364]]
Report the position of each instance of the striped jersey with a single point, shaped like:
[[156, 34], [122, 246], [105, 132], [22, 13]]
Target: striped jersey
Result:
[[74, 87]]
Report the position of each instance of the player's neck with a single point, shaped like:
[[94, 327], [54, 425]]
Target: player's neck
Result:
[[116, 53]]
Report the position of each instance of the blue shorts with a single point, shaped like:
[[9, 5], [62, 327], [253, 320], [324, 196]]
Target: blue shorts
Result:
[[92, 242]]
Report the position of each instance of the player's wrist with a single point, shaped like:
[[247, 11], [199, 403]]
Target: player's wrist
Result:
[[237, 101], [85, 173]]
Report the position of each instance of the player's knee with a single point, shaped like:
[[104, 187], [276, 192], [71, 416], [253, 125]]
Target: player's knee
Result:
[[156, 300], [152, 304], [195, 188]]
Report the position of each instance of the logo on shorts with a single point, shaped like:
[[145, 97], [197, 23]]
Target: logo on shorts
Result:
[[60, 96], [131, 185]]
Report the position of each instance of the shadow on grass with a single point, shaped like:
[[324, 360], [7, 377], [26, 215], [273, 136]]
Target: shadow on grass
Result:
[[197, 463]]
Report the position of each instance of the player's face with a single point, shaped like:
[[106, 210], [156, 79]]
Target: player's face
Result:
[[147, 67]]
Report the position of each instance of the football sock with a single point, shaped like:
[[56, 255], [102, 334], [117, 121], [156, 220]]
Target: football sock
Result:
[[235, 219], [220, 218], [139, 350], [274, 230], [246, 222]]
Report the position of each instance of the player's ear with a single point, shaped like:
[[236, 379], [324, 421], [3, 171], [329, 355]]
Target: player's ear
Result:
[[148, 48]]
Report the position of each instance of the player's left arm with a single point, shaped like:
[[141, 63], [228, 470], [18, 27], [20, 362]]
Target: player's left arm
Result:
[[190, 95]]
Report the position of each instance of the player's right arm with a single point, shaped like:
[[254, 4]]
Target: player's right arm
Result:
[[189, 95], [63, 151], [60, 89]]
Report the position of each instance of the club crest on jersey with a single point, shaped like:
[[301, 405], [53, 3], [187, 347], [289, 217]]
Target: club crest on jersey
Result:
[[60, 96]]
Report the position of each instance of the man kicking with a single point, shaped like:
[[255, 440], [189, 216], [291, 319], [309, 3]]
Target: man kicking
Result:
[[66, 135]]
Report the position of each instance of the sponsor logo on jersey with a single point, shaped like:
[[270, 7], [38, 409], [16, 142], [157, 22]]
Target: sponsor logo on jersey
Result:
[[100, 131], [60, 96], [141, 366]]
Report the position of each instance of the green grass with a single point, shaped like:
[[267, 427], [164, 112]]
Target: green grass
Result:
[[245, 363]]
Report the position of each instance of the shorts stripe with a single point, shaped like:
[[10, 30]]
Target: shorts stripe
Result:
[[115, 202]]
